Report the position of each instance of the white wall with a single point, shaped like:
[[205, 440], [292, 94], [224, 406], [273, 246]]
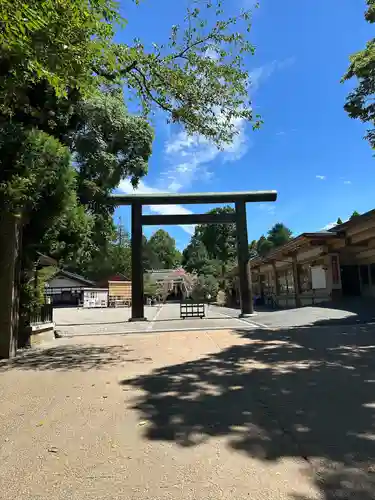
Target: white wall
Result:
[[95, 298]]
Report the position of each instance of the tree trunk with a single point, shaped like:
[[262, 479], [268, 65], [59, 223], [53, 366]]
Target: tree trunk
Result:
[[10, 250]]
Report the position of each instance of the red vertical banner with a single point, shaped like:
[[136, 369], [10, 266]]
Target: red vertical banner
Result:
[[335, 270]]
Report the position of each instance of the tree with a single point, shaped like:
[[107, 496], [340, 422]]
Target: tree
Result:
[[279, 234], [109, 144], [206, 288], [253, 252], [219, 239], [360, 101], [115, 260], [212, 267], [198, 77], [50, 49], [163, 247], [264, 246], [194, 256], [354, 214], [151, 289], [149, 259], [339, 221], [212, 247]]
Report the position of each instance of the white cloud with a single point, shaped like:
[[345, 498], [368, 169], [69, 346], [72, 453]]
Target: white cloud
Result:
[[259, 75], [321, 177], [268, 208], [347, 182], [190, 156], [332, 224], [329, 226], [125, 186], [212, 54]]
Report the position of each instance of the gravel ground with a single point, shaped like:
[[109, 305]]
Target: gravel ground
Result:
[[173, 415]]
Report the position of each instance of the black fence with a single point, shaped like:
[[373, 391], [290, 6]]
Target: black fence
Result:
[[192, 310], [43, 314]]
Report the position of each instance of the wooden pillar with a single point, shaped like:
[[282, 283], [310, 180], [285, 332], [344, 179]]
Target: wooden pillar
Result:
[[277, 284], [137, 267], [10, 250], [246, 296], [296, 280]]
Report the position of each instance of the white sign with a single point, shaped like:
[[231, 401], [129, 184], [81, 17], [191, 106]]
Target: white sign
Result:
[[318, 277]]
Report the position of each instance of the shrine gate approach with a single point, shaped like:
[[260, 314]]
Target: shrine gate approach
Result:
[[138, 220]]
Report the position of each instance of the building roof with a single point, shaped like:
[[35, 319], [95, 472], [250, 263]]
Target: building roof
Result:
[[294, 244], [161, 274], [75, 277], [114, 277], [352, 222], [46, 260], [176, 275], [319, 237]]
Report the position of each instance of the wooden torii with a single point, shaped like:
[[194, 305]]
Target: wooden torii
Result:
[[138, 220]]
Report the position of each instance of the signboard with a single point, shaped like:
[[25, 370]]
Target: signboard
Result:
[[318, 277]]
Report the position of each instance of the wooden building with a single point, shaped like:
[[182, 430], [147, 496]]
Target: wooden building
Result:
[[318, 267], [65, 288], [119, 293]]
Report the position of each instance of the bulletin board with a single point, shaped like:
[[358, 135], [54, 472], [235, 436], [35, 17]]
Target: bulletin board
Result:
[[318, 278]]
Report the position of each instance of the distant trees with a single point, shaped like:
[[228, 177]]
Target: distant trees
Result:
[[277, 236], [160, 251], [115, 259], [218, 239], [195, 256], [206, 288], [212, 250], [354, 214]]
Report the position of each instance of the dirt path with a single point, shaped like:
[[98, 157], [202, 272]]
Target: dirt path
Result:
[[143, 417]]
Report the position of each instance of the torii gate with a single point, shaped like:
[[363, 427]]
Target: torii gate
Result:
[[138, 220]]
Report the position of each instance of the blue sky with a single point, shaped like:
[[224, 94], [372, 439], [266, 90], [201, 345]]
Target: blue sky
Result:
[[308, 149]]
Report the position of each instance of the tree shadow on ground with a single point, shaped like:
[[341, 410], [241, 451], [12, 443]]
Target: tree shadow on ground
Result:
[[70, 357], [299, 392]]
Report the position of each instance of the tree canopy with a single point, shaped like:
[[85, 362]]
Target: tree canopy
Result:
[[219, 239], [354, 214], [277, 236], [115, 260], [212, 249], [67, 48], [195, 256], [360, 101], [162, 251]]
